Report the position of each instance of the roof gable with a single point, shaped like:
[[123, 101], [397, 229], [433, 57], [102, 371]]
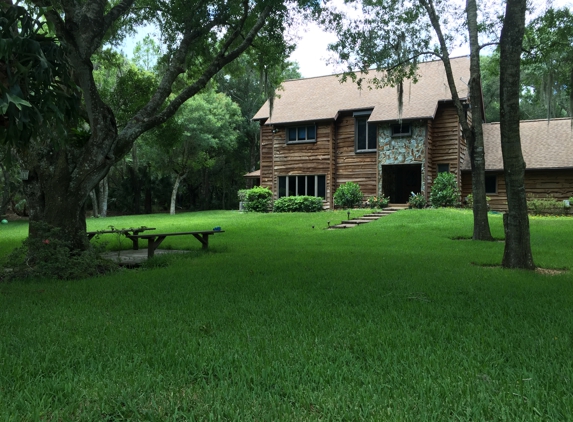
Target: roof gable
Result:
[[323, 98]]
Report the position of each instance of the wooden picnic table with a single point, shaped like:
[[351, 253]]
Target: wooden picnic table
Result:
[[129, 233], [154, 240]]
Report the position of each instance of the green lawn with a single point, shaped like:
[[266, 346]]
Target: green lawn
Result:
[[392, 320]]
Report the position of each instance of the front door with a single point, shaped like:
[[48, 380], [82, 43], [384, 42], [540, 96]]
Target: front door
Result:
[[398, 181]]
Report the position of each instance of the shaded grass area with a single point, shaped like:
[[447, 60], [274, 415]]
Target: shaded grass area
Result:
[[279, 321]]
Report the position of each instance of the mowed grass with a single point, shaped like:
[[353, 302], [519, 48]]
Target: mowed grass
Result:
[[392, 320]]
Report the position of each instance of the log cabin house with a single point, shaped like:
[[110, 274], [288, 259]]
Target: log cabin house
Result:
[[322, 133]]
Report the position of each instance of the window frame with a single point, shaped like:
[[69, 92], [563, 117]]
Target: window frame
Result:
[[401, 134], [364, 116], [296, 189], [297, 129]]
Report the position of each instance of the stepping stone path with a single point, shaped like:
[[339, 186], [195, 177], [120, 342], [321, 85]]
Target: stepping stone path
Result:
[[347, 224]]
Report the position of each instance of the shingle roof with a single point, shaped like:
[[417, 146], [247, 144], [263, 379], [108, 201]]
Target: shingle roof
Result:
[[544, 144], [323, 98]]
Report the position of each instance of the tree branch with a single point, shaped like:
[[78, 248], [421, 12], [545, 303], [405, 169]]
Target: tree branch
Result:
[[144, 119], [116, 12]]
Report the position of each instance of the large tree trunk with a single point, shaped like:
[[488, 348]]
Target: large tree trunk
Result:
[[56, 196], [475, 140], [475, 145], [517, 253], [6, 194]]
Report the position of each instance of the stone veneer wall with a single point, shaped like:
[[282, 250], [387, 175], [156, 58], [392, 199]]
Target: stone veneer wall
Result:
[[401, 150]]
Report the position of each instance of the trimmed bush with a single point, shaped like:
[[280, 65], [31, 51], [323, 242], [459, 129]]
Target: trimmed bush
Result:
[[445, 192], [298, 204], [257, 199], [348, 195]]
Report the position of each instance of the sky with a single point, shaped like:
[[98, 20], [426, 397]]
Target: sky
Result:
[[312, 53]]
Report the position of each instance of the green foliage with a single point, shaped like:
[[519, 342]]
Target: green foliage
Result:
[[37, 90], [445, 192], [378, 201], [298, 204], [348, 195], [54, 258], [545, 206], [417, 200], [258, 199]]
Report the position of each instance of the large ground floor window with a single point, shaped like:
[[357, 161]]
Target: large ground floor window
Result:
[[302, 185]]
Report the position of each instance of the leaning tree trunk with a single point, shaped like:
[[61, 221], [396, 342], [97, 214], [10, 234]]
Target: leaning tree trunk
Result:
[[178, 180], [103, 197], [517, 253], [477, 157], [95, 207]]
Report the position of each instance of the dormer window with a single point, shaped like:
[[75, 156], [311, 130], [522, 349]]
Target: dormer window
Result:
[[301, 134], [402, 129], [364, 132]]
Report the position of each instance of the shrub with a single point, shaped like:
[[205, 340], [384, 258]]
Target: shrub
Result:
[[445, 192], [258, 199], [348, 195], [417, 200], [542, 206], [298, 204], [378, 201]]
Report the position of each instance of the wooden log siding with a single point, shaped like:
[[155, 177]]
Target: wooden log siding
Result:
[[266, 161], [556, 184], [350, 166], [446, 140], [304, 159]]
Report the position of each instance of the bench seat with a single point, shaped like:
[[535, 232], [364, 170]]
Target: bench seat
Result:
[[154, 240]]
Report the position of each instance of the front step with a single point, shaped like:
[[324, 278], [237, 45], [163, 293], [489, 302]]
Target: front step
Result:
[[356, 221], [342, 226]]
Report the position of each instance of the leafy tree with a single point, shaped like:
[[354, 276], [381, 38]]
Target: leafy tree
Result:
[[200, 38], [249, 83], [547, 65], [203, 129]]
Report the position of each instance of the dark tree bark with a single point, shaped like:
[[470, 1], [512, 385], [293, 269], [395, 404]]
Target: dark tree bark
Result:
[[472, 133], [475, 138], [517, 253]]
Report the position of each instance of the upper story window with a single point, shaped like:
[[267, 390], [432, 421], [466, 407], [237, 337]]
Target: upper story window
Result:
[[298, 134], [365, 133], [403, 129]]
